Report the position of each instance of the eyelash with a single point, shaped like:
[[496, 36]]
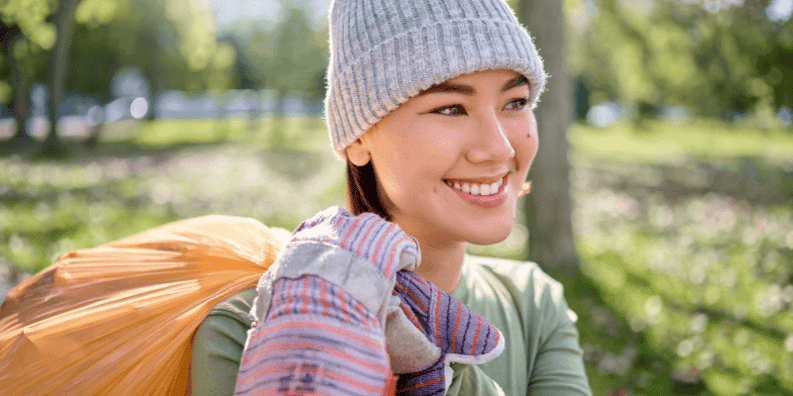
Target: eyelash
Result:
[[521, 102]]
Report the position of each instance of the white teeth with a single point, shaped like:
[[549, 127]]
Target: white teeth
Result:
[[477, 189]]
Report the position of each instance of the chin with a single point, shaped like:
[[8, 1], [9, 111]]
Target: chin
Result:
[[489, 235]]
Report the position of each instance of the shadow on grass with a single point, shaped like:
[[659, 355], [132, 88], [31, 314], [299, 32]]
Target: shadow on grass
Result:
[[619, 360], [292, 162], [648, 360], [750, 178]]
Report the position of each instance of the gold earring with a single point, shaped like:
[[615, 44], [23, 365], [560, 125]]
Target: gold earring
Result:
[[525, 190]]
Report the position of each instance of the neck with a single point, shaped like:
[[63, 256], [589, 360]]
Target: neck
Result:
[[441, 263]]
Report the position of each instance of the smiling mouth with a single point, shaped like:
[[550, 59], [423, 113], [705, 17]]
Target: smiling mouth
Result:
[[482, 189]]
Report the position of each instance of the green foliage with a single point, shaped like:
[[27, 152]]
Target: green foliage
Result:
[[95, 13], [711, 57], [298, 61], [31, 59], [38, 34], [35, 36], [259, 50], [172, 42], [5, 92], [31, 17], [97, 43], [289, 57], [95, 40], [684, 292]]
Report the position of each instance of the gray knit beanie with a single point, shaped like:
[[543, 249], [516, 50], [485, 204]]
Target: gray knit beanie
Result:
[[383, 52]]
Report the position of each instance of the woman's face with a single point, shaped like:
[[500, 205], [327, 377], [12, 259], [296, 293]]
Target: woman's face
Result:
[[451, 161]]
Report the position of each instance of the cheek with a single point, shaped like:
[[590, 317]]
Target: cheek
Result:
[[533, 143], [411, 173], [525, 143], [396, 172]]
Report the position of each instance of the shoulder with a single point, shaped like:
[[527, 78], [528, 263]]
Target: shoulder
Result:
[[524, 276], [529, 308], [224, 331], [236, 307], [218, 344], [532, 290]]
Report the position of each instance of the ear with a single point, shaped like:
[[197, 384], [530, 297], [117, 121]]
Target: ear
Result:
[[358, 154]]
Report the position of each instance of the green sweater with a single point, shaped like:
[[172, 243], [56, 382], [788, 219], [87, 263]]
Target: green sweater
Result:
[[542, 355]]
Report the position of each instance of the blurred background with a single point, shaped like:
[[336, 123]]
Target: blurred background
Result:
[[670, 122]]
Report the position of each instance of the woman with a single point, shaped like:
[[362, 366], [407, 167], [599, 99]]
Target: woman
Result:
[[430, 102]]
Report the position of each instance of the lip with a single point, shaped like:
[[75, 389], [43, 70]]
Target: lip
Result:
[[485, 201], [480, 180]]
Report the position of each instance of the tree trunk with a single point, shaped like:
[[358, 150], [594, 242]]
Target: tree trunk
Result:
[[277, 138], [59, 62], [96, 115], [223, 129], [20, 108], [255, 112], [8, 37], [549, 206]]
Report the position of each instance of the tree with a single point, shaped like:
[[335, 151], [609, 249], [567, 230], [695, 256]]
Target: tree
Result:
[[714, 58], [38, 34], [171, 42], [247, 74], [25, 34], [8, 38], [549, 206], [59, 60], [296, 61]]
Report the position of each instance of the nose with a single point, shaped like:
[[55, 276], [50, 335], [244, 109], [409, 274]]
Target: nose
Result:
[[490, 142]]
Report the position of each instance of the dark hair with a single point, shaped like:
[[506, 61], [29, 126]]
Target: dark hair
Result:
[[362, 195]]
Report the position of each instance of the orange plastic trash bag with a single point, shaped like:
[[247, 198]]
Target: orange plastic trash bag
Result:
[[118, 319]]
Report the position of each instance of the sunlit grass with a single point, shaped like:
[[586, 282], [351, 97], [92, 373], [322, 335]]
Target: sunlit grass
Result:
[[705, 280], [683, 292], [297, 133], [660, 142]]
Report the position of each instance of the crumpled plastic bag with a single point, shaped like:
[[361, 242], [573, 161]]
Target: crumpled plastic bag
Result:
[[118, 319]]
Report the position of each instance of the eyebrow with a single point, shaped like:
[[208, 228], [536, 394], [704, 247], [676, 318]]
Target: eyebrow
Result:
[[515, 82], [446, 87]]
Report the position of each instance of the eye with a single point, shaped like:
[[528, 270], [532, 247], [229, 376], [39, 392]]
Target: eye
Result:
[[517, 104], [453, 110]]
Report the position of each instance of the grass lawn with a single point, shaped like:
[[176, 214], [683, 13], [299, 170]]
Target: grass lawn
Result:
[[660, 142], [302, 134], [687, 286]]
